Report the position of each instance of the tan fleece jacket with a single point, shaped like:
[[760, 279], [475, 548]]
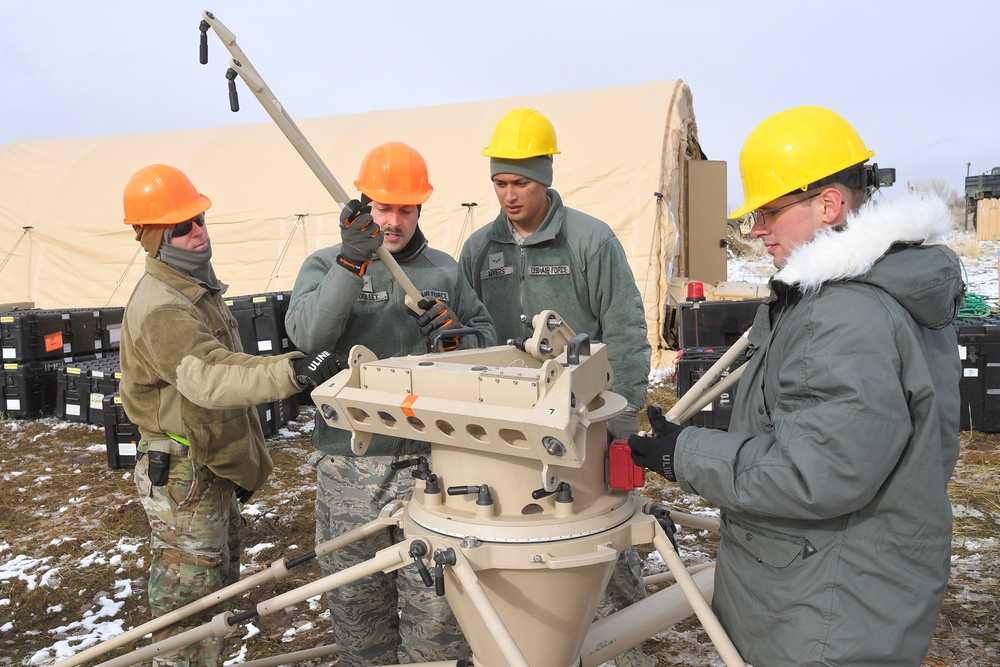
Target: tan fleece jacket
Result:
[[184, 372]]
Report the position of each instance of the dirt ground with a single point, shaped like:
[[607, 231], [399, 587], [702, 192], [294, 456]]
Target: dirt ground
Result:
[[72, 537]]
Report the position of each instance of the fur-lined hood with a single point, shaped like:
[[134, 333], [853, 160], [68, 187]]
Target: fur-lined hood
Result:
[[876, 247]]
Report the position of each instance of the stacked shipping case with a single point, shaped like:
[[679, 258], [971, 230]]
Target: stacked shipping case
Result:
[[65, 363], [705, 331], [979, 387], [35, 345], [261, 319]]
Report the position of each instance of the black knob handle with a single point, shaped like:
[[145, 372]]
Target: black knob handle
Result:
[[234, 100], [418, 549], [482, 492], [442, 558], [420, 462], [203, 50]]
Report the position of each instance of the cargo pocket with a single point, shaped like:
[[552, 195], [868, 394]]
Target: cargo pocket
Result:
[[768, 546], [141, 476]]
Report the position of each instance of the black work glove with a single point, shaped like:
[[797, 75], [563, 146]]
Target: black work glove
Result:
[[242, 494], [656, 452], [317, 369], [437, 316], [360, 237]]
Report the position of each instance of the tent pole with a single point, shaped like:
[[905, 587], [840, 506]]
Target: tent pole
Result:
[[20, 238], [284, 250], [128, 267]]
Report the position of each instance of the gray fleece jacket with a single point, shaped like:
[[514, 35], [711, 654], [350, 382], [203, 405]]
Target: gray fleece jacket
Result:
[[572, 264], [333, 309]]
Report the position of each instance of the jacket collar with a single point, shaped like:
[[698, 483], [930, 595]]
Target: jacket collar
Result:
[[867, 236], [178, 280], [549, 229]]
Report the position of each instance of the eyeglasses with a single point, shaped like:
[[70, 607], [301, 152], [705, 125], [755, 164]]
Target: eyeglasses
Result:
[[184, 228], [759, 215]]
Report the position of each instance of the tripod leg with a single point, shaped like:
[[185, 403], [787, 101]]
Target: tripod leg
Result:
[[501, 635], [218, 627], [387, 518], [691, 520], [384, 561], [698, 602], [640, 621], [223, 624], [277, 572]]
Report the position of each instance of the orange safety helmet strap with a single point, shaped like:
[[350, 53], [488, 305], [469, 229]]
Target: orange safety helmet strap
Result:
[[394, 173], [161, 195]]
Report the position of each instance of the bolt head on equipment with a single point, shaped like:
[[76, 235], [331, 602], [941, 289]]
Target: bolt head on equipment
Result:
[[394, 173], [162, 195]]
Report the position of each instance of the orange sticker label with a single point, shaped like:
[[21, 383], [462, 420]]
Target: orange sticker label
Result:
[[53, 342], [407, 404]]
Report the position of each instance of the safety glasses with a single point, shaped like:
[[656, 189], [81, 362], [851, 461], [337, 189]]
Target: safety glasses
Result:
[[759, 216], [184, 228]]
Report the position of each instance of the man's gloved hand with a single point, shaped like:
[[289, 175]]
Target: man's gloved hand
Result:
[[438, 316], [360, 237], [242, 494], [658, 422], [657, 452], [317, 369]]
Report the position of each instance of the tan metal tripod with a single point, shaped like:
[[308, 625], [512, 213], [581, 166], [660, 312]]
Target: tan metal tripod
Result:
[[512, 512]]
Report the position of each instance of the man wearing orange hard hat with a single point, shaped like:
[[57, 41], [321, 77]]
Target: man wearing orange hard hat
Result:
[[345, 296], [191, 390]]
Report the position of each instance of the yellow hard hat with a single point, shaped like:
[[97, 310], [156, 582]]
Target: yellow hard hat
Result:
[[793, 149], [520, 134]]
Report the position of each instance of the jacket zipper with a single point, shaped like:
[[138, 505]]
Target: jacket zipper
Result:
[[525, 318]]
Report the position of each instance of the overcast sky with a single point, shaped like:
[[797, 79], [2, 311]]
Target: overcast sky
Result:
[[920, 80]]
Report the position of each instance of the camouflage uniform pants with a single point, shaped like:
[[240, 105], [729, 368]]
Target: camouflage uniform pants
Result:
[[384, 619], [194, 522], [626, 585]]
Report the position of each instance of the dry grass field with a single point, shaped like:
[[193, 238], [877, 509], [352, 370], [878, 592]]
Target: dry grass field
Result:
[[73, 554]]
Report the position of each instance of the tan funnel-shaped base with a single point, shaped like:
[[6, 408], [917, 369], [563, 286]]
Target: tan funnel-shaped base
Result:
[[513, 505], [545, 594]]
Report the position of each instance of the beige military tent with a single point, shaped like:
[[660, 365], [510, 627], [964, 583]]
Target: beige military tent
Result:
[[63, 243]]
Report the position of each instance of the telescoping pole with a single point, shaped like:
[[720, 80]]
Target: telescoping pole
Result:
[[710, 386], [241, 66]]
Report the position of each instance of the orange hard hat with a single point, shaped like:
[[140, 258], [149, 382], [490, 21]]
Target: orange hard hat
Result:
[[394, 173], [162, 195]]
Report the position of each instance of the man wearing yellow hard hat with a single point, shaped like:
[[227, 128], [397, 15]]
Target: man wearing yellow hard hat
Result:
[[832, 478], [540, 254]]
